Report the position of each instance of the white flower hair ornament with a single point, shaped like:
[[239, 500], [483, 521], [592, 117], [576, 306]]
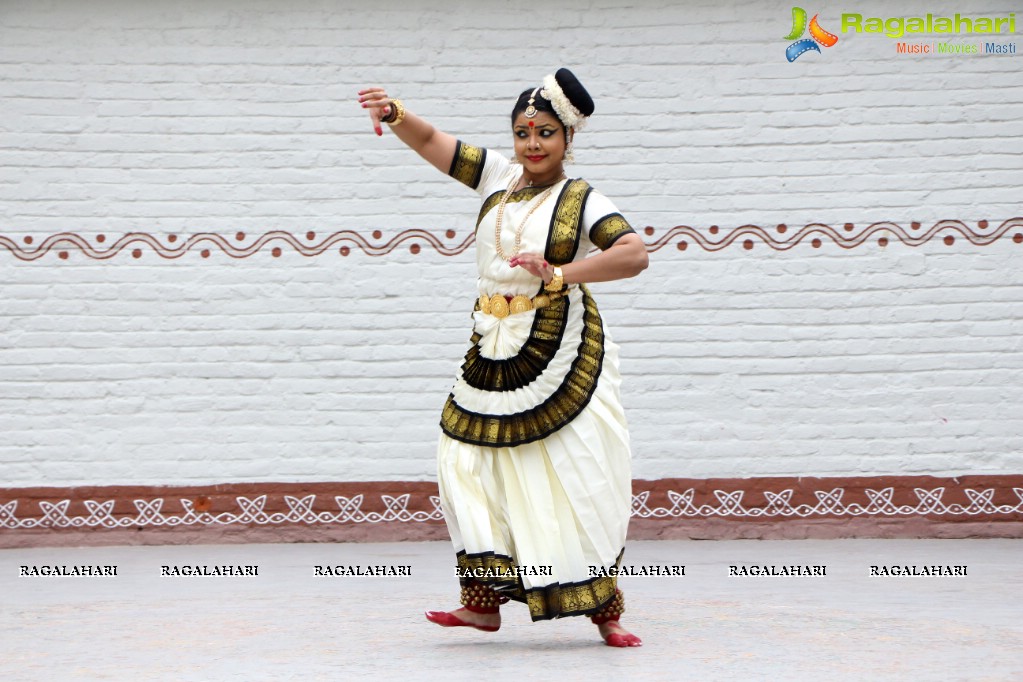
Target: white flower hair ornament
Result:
[[569, 115], [568, 97]]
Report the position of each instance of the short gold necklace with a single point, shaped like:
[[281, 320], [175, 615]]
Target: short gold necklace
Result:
[[522, 225]]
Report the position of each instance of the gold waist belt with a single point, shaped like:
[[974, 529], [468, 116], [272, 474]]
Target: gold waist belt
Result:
[[500, 305]]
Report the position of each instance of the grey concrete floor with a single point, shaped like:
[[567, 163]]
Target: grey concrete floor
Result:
[[288, 624]]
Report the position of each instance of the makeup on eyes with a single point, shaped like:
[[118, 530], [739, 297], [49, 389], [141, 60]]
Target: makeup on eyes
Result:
[[544, 130]]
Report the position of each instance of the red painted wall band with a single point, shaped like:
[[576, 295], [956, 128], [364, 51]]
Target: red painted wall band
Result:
[[921, 506]]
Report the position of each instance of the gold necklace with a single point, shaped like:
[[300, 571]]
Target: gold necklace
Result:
[[522, 225]]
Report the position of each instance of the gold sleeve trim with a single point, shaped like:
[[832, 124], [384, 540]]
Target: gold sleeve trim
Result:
[[467, 166], [609, 229]]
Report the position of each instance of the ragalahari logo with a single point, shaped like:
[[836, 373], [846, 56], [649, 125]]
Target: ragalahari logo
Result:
[[817, 35]]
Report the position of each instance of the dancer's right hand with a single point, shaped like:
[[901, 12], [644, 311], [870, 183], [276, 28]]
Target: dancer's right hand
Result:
[[379, 105]]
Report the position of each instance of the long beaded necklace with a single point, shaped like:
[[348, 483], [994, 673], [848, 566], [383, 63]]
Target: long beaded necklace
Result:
[[522, 225]]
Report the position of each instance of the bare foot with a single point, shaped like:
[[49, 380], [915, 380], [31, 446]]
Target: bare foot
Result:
[[615, 635], [488, 622]]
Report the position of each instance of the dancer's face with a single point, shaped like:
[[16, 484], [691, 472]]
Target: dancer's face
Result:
[[540, 143]]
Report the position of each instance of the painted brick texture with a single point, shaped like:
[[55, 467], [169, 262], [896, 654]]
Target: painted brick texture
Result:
[[240, 120]]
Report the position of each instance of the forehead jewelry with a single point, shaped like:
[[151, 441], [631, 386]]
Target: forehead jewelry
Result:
[[530, 109]]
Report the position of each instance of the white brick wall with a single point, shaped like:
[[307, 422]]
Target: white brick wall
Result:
[[223, 117]]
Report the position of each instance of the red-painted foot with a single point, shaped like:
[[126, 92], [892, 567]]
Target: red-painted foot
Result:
[[449, 620], [615, 635]]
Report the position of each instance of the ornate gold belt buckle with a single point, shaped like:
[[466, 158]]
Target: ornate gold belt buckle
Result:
[[520, 304], [499, 306]]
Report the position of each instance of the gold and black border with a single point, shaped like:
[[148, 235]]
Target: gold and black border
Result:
[[564, 405], [609, 229], [558, 600], [467, 164], [563, 236], [529, 363]]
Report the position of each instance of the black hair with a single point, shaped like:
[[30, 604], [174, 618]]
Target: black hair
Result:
[[539, 102], [574, 92]]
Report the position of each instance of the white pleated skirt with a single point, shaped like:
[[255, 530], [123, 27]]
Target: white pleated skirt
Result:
[[555, 510]]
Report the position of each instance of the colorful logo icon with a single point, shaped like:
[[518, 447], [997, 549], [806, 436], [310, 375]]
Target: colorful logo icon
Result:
[[817, 35]]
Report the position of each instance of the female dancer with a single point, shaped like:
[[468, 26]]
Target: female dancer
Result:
[[533, 463]]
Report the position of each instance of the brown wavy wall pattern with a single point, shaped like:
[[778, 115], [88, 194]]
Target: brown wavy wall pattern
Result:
[[242, 245]]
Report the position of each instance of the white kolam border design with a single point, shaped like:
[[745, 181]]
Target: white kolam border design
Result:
[[829, 503], [251, 511]]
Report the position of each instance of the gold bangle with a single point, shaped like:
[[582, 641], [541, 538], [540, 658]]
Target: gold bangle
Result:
[[557, 282], [397, 114]]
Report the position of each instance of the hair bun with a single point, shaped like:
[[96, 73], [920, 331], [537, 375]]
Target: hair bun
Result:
[[574, 91]]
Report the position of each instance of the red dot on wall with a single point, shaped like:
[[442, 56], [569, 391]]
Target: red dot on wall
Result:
[[172, 238], [1018, 238], [783, 228], [849, 227], [202, 504], [714, 229], [377, 234], [450, 234], [915, 226], [276, 252], [137, 253], [683, 245], [883, 241], [982, 224], [28, 240], [949, 240], [101, 238], [414, 248], [345, 250], [63, 255], [748, 244], [310, 235], [240, 236], [205, 253], [816, 243], [648, 230]]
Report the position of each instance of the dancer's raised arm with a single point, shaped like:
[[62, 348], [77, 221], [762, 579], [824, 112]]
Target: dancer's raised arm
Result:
[[435, 146]]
